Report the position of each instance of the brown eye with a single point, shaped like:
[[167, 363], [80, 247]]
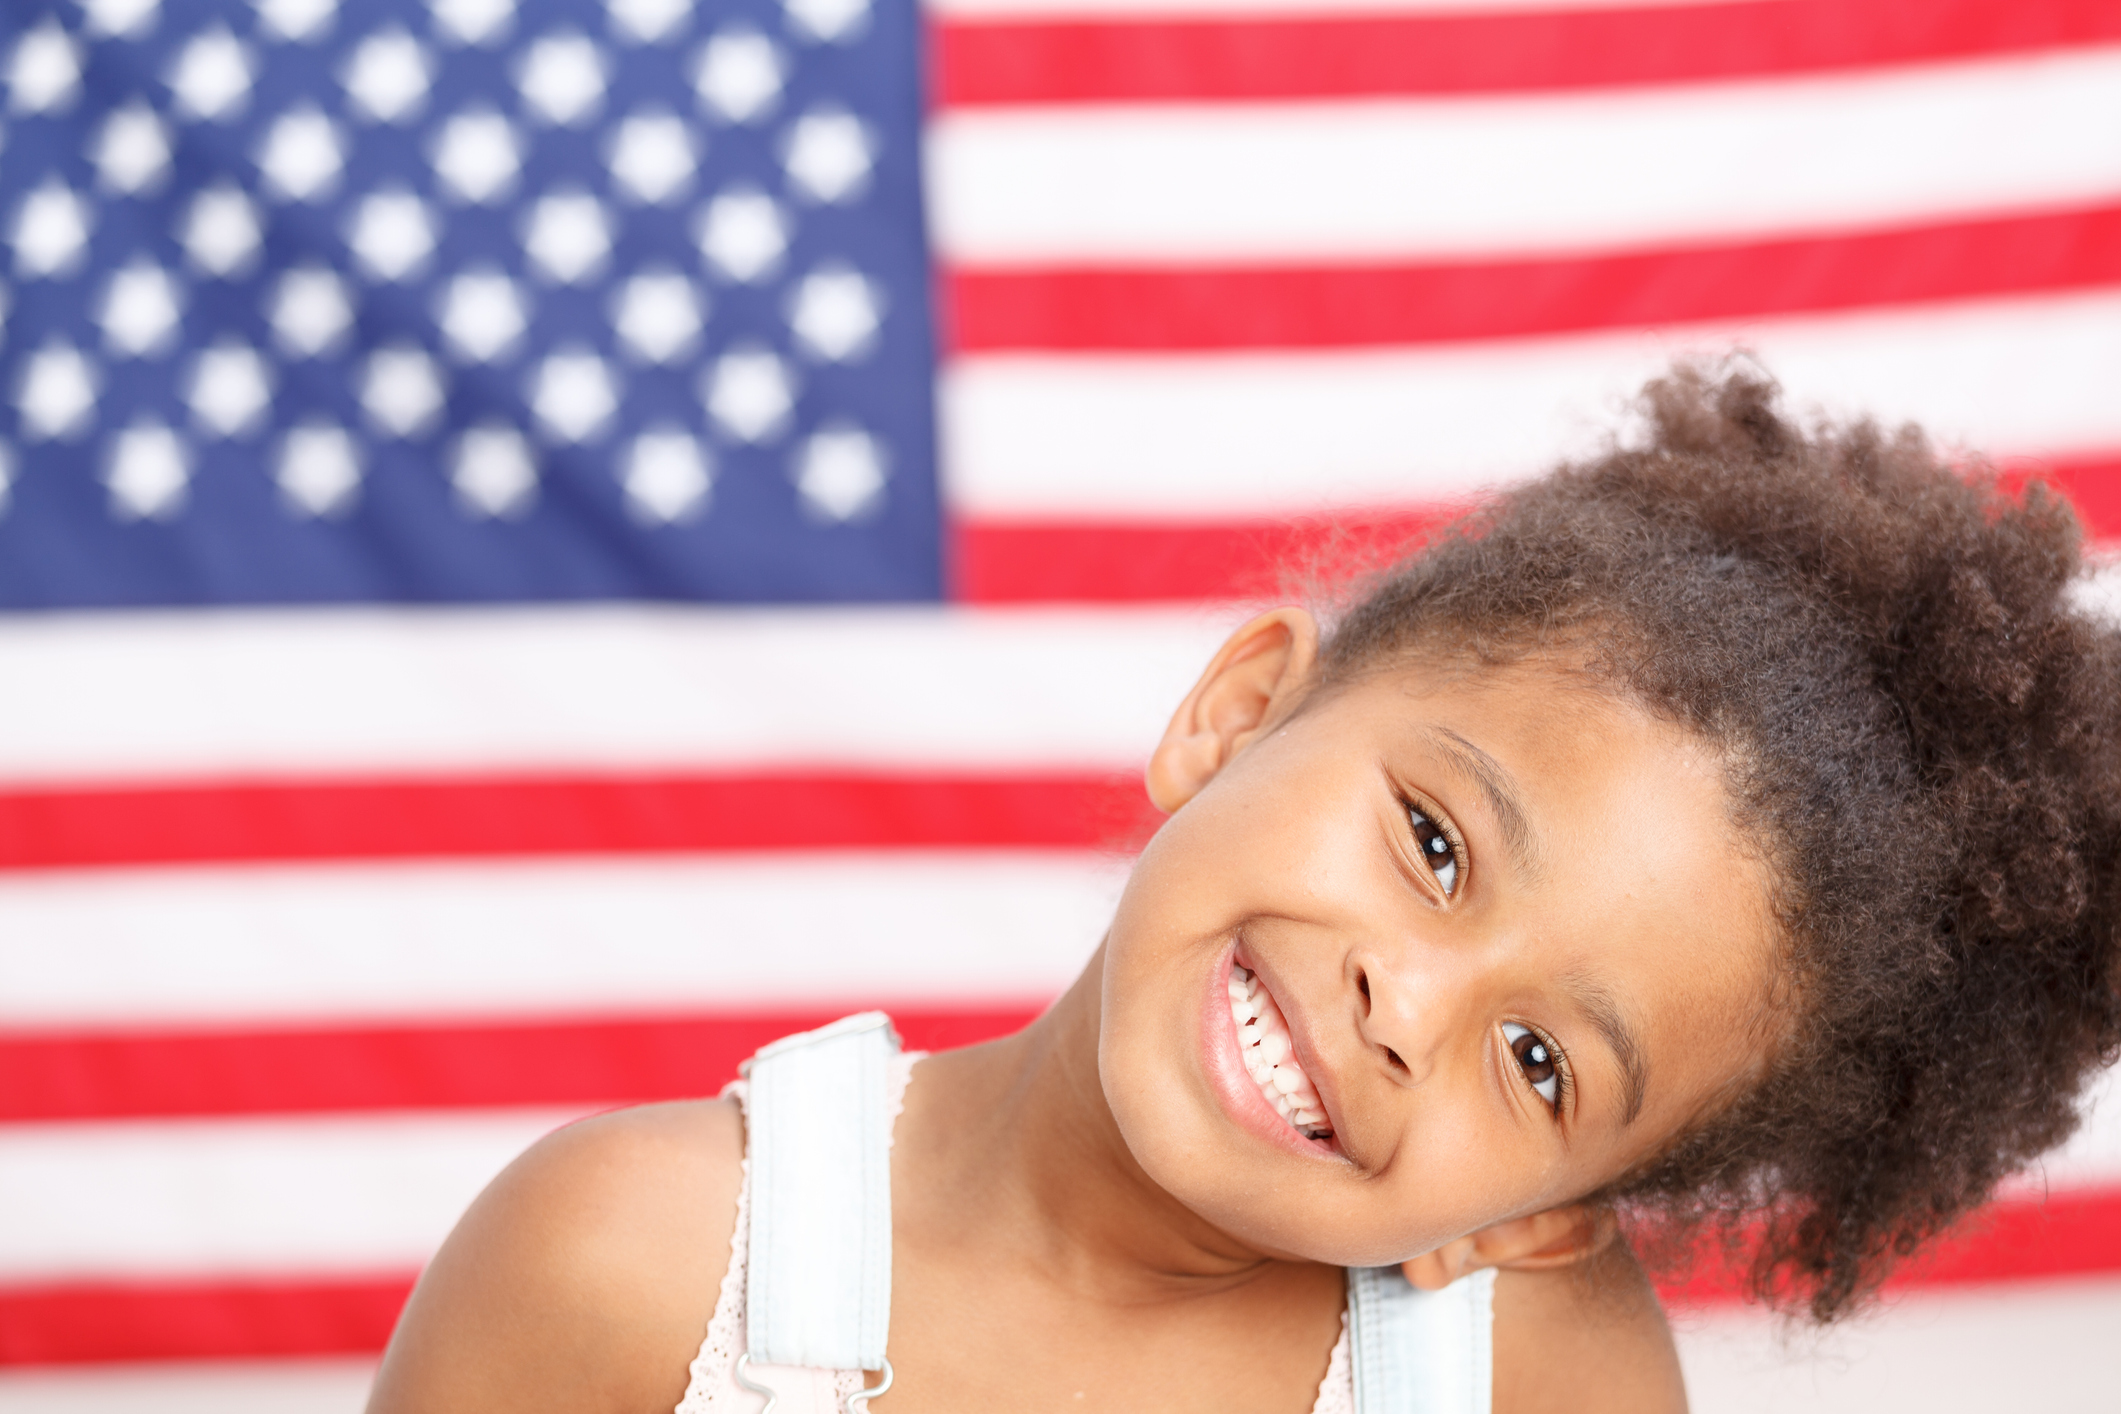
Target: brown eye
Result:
[[1436, 849], [1541, 1067]]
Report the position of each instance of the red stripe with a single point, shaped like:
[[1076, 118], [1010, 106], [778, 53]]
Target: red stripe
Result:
[[2093, 485], [1195, 307], [591, 1063], [1033, 561], [2071, 1234], [2074, 1232], [1113, 562], [981, 63], [90, 1322], [524, 815]]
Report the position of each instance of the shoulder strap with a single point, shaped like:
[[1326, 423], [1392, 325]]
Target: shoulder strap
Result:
[[819, 1288], [1420, 1352]]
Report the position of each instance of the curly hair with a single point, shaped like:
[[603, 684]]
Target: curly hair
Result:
[[1922, 733]]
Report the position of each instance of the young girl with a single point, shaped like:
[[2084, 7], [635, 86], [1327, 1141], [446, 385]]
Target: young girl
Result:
[[1724, 830]]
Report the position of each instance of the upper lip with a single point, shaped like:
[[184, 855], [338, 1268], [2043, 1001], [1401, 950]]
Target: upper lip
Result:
[[1300, 1037]]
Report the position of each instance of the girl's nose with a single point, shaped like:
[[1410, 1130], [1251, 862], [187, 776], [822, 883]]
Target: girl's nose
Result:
[[1408, 1013]]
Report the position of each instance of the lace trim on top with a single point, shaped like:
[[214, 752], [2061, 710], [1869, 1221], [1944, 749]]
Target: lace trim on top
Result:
[[713, 1386], [1336, 1392], [713, 1367]]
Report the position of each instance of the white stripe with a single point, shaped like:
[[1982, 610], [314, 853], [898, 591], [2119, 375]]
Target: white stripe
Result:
[[1486, 176], [201, 946], [2045, 1345], [1141, 11], [319, 690], [2092, 1155], [1263, 434], [333, 1386], [2100, 594], [308, 1196], [247, 1197]]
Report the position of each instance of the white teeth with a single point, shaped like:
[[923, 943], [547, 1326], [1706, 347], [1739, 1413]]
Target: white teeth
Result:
[[1269, 1055]]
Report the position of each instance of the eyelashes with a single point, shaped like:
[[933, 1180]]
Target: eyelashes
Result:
[[1439, 846]]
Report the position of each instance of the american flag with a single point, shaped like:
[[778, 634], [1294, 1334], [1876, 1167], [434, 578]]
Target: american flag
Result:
[[544, 544]]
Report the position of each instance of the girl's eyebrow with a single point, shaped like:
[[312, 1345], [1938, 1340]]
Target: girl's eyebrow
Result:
[[1499, 788], [1606, 1018]]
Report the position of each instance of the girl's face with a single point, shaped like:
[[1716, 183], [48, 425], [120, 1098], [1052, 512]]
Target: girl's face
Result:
[[1504, 922]]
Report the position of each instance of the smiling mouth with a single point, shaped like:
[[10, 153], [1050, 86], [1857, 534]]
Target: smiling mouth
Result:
[[1269, 1053]]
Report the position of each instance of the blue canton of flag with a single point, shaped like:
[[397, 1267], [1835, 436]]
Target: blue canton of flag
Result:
[[464, 301]]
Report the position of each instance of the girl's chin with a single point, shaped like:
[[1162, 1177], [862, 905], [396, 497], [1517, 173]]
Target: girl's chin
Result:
[[1218, 1168], [1276, 1223]]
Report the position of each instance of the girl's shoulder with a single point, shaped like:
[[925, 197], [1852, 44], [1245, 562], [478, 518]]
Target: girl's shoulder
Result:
[[584, 1276]]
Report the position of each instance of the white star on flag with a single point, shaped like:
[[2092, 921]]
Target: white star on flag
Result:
[[44, 71], [310, 311], [840, 471], [573, 395], [302, 155], [402, 390], [658, 315], [483, 315], [212, 77], [477, 156], [131, 151], [388, 76], [835, 311], [229, 389], [58, 392], [149, 473], [51, 232], [494, 473], [740, 75], [744, 234], [140, 309], [562, 79], [667, 476], [319, 470], [750, 393]]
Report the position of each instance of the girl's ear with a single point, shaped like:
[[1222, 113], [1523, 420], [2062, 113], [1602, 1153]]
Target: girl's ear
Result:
[[1255, 677], [1557, 1237]]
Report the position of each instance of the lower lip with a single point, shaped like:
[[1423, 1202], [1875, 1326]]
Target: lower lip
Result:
[[1233, 1084]]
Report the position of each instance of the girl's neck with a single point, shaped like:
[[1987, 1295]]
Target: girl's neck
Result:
[[1009, 1157]]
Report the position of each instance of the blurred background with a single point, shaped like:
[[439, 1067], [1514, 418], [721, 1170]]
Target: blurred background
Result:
[[544, 543]]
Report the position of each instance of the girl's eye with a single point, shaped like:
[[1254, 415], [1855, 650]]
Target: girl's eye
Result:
[[1437, 849], [1539, 1061]]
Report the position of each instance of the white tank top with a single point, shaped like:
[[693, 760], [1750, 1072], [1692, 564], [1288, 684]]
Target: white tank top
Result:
[[714, 1390]]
